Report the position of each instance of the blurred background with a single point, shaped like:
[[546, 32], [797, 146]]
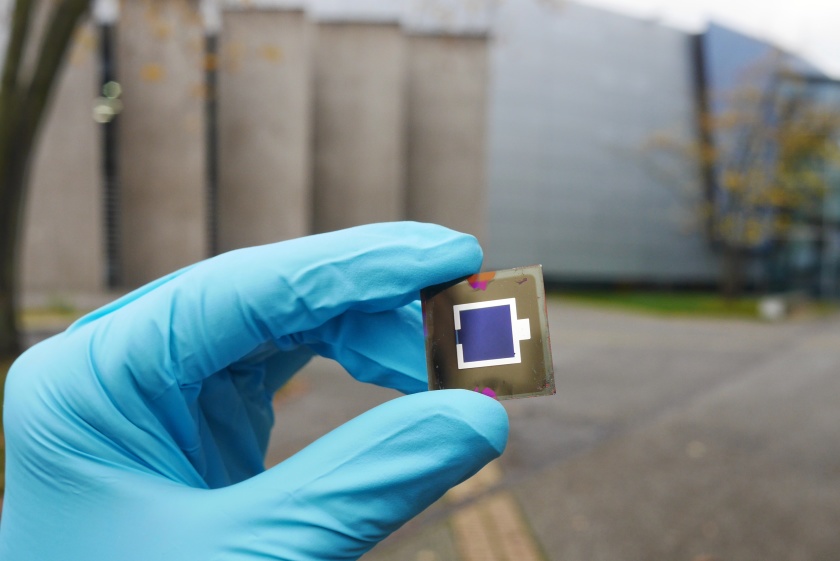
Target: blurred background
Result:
[[612, 148], [674, 166]]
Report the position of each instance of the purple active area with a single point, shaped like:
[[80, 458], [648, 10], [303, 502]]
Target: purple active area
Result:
[[486, 333]]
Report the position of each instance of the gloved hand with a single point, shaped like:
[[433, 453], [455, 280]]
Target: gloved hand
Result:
[[139, 433]]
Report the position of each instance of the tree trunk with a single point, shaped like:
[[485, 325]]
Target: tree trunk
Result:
[[732, 282], [12, 181], [10, 190], [24, 94], [9, 332]]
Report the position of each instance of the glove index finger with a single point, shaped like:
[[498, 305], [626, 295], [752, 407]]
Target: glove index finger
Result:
[[223, 308]]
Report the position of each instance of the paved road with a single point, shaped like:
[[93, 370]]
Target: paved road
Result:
[[668, 439], [693, 440]]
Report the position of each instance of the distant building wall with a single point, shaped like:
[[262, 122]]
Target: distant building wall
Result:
[[358, 124], [63, 237], [539, 147], [446, 130], [161, 138], [264, 113], [577, 94]]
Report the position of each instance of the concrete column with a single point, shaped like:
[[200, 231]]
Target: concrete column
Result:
[[358, 119], [264, 127], [447, 122], [63, 251], [161, 137]]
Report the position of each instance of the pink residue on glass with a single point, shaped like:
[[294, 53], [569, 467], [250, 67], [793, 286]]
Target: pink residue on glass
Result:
[[479, 281], [486, 391]]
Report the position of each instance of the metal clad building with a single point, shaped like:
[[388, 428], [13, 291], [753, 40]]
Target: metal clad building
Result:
[[576, 95]]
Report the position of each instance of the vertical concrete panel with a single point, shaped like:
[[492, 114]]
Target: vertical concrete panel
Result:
[[264, 139], [447, 115], [161, 137], [358, 119], [63, 248]]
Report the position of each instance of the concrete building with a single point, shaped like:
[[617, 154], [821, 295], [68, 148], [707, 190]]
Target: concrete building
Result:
[[264, 112], [446, 122], [326, 115], [163, 216], [358, 123]]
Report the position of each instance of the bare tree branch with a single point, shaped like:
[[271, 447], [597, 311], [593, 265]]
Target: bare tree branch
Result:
[[14, 52], [54, 44], [9, 93]]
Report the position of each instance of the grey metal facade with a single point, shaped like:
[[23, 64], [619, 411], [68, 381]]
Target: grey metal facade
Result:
[[577, 94]]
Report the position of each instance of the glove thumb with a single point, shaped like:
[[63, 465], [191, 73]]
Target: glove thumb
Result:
[[347, 491]]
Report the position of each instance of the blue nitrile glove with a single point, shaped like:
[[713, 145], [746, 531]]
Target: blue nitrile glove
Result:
[[139, 433]]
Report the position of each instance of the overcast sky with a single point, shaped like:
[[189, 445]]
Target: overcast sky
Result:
[[809, 27]]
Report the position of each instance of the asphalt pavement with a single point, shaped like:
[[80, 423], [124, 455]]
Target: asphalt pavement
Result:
[[668, 439]]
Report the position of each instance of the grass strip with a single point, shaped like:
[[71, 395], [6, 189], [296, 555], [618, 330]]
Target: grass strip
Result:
[[676, 304]]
